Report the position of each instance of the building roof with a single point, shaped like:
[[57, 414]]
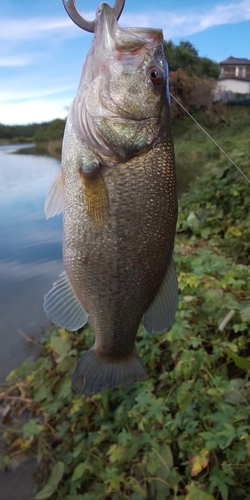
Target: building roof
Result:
[[236, 60]]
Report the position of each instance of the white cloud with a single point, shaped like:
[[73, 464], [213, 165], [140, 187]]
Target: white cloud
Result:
[[187, 22], [30, 29], [179, 22], [33, 111], [13, 94], [38, 27], [17, 60]]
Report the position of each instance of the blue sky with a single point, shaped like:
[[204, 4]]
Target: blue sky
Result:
[[42, 51]]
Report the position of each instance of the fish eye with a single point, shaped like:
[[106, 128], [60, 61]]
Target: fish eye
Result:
[[156, 76]]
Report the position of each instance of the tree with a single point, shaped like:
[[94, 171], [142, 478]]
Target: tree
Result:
[[187, 60], [189, 46], [209, 68], [49, 131], [185, 56]]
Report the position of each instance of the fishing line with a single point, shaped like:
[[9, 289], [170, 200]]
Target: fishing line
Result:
[[216, 143]]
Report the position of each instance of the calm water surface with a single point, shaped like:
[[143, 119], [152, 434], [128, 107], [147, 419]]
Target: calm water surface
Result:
[[30, 251]]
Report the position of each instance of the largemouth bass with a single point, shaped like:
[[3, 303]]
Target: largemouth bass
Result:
[[117, 191]]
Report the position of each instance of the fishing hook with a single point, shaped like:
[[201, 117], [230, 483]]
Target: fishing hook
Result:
[[75, 15]]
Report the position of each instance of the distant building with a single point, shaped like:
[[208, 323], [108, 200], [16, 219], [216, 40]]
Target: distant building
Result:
[[235, 76]]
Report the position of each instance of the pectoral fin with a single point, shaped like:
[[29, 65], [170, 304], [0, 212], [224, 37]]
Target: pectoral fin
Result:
[[95, 197], [54, 200], [62, 306], [161, 313]]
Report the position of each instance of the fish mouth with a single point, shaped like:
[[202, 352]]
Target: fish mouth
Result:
[[126, 41]]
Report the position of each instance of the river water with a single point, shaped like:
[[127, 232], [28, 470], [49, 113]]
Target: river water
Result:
[[30, 252], [30, 261]]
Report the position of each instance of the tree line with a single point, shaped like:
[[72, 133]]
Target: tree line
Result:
[[37, 132]]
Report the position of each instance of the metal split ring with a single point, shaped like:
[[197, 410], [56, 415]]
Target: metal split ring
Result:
[[74, 14]]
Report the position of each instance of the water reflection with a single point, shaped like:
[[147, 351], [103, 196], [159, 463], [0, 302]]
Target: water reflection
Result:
[[30, 250]]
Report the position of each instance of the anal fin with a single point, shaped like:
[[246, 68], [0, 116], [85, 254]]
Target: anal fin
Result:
[[62, 306], [161, 312]]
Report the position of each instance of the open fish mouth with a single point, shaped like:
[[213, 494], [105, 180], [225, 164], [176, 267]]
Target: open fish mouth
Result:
[[128, 42]]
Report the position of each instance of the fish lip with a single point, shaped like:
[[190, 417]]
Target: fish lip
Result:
[[111, 35], [105, 22]]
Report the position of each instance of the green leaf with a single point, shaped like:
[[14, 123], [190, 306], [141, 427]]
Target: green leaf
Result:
[[65, 390], [42, 393], [245, 314], [238, 360], [59, 345], [193, 220], [51, 486], [137, 496], [195, 493], [216, 481], [228, 433], [74, 497], [205, 232], [184, 397], [160, 489], [62, 429], [233, 394], [46, 492], [223, 487], [31, 428], [66, 363], [116, 453], [78, 471]]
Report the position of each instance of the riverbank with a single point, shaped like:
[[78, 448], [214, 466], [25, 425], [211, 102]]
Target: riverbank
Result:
[[184, 433], [50, 148]]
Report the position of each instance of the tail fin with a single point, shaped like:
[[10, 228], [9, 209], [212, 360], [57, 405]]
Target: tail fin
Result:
[[94, 373]]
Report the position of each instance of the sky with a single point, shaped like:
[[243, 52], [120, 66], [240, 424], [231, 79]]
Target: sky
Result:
[[42, 51]]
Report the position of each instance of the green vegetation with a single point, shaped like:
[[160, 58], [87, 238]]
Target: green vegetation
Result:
[[47, 137], [184, 56], [34, 132], [50, 131], [17, 133], [184, 433]]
